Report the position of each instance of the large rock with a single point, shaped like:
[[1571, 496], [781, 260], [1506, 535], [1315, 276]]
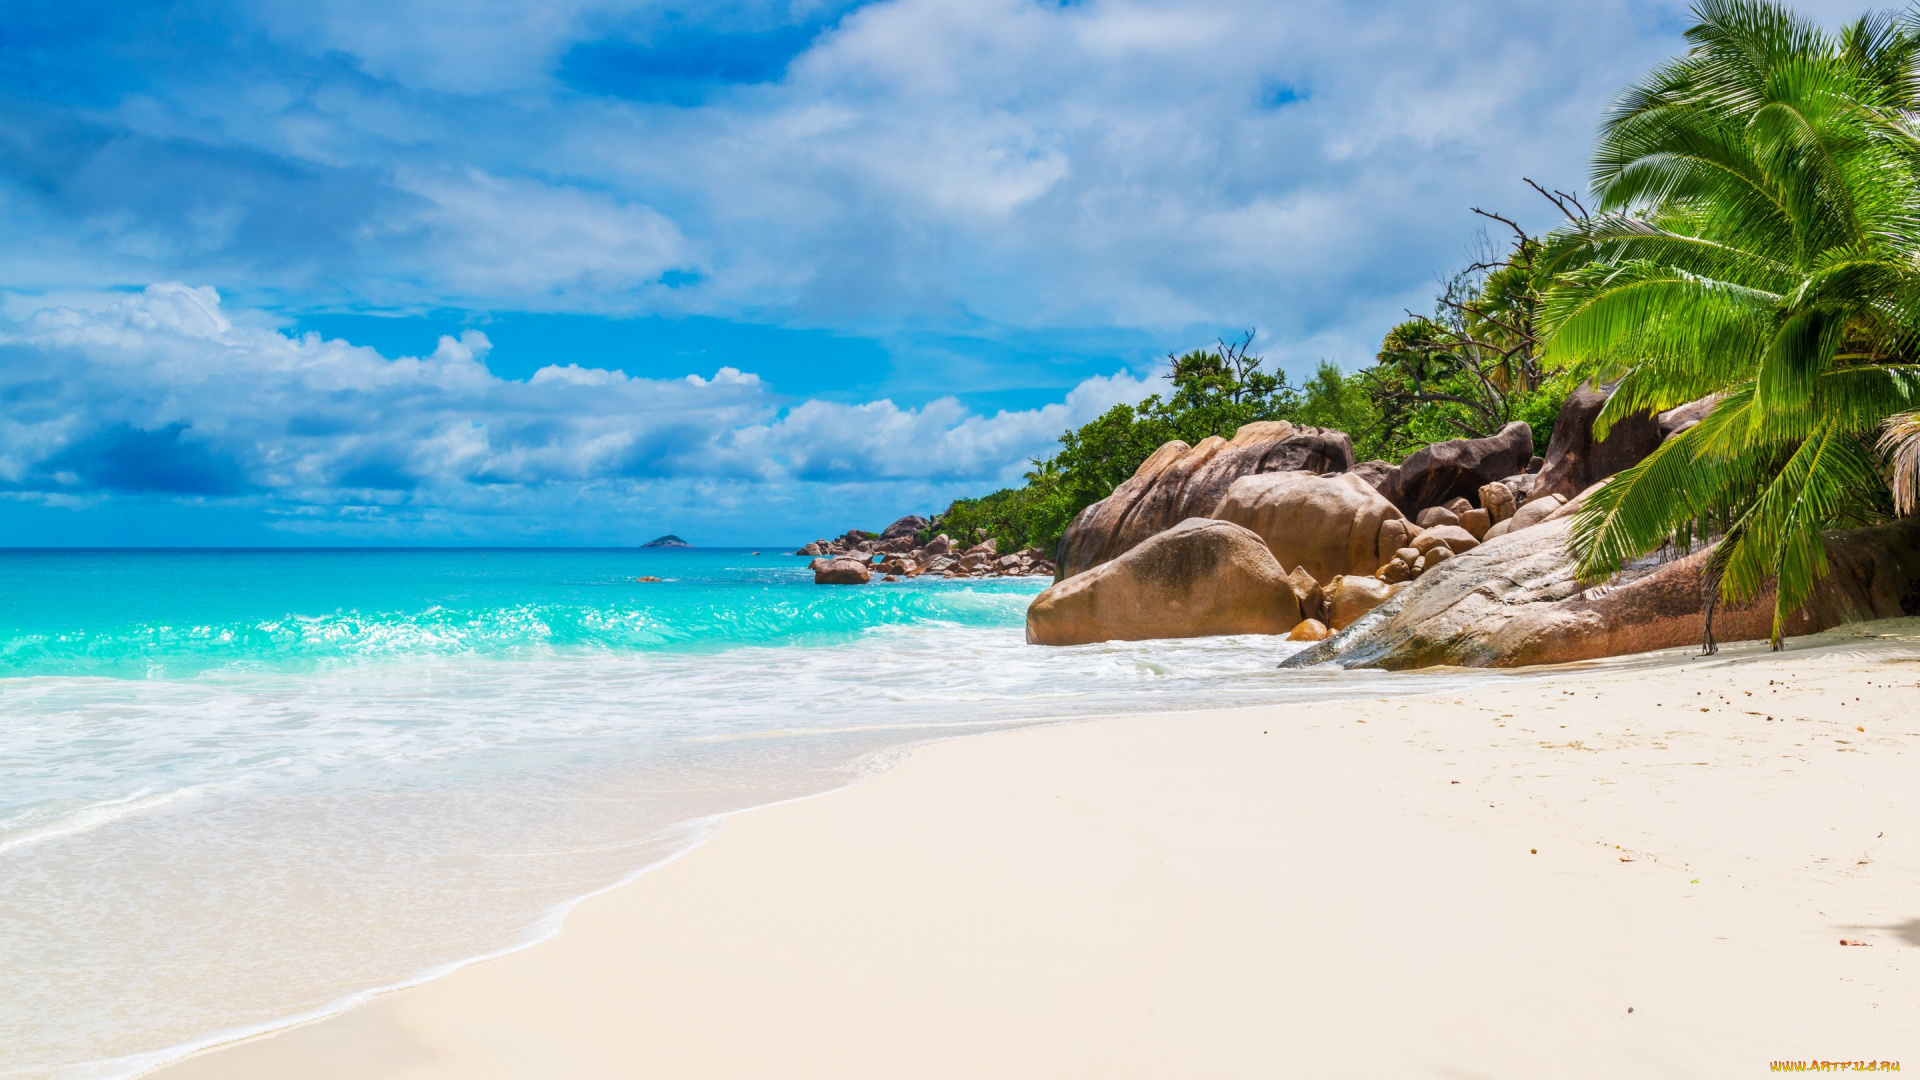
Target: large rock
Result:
[[1576, 461], [841, 571], [1331, 525], [1373, 472], [1681, 417], [1198, 578], [1515, 600], [1179, 482], [1456, 469]]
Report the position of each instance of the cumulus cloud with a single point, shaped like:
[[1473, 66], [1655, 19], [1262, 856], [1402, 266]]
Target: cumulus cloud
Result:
[[161, 393], [900, 170], [1165, 164]]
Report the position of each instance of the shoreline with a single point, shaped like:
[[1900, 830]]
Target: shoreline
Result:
[[540, 993]]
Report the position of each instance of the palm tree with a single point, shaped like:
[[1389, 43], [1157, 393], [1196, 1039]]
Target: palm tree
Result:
[[1756, 239]]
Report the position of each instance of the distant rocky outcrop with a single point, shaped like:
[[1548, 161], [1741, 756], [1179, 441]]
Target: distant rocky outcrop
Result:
[[896, 553], [667, 541], [1179, 482], [1515, 600], [1199, 578]]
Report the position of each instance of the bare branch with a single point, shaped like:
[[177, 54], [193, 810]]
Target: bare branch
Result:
[[1517, 230], [1561, 200]]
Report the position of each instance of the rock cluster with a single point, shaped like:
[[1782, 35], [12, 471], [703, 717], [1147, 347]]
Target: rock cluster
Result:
[[895, 553], [1456, 469], [1517, 600], [1355, 534], [1179, 482]]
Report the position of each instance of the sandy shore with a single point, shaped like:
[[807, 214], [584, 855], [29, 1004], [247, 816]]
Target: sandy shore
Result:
[[1325, 891]]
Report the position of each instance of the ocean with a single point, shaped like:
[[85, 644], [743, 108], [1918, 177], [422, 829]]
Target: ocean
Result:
[[240, 788]]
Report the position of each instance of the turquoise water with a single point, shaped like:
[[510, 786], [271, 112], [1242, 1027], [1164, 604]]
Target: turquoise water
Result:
[[243, 787], [172, 614]]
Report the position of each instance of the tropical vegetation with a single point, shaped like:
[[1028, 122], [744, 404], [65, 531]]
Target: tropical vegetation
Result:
[[1753, 241], [1756, 239]]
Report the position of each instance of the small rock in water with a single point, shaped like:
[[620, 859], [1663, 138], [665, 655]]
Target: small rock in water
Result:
[[647, 578], [1308, 630]]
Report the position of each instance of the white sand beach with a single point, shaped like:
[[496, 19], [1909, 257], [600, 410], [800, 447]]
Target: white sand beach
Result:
[[1615, 869]]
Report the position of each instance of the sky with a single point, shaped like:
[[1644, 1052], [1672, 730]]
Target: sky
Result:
[[315, 272]]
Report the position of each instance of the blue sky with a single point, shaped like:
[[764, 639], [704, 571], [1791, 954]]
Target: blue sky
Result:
[[587, 271]]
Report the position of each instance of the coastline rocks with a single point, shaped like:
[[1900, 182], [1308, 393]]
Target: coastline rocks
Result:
[[1458, 468], [841, 571], [1200, 578], [1329, 525], [1351, 596], [1515, 601], [1436, 515], [901, 558], [1178, 482]]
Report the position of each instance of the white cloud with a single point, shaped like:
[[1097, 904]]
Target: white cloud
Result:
[[161, 393], [1028, 165], [537, 241]]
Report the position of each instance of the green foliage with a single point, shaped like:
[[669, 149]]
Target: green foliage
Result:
[[1473, 366], [1215, 391], [1334, 399], [1757, 238]]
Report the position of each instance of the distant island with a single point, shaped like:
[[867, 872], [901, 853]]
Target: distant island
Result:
[[667, 541]]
